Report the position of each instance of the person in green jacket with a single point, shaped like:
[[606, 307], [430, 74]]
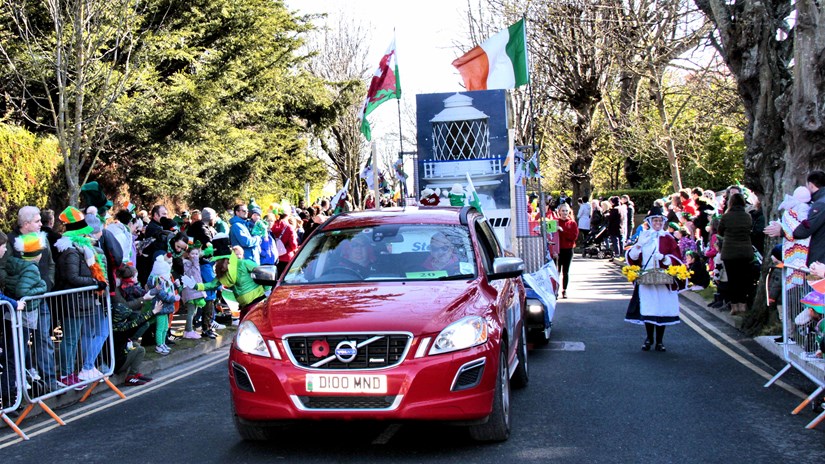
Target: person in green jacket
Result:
[[233, 273], [23, 279]]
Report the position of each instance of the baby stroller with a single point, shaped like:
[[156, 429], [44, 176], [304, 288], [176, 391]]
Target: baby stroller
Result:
[[596, 244]]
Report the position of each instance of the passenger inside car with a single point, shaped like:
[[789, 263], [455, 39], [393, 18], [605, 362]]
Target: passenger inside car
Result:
[[443, 255]]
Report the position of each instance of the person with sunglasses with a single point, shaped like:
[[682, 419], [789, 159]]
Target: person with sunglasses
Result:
[[443, 255]]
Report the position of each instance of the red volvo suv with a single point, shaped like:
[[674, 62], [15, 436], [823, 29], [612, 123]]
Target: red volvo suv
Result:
[[394, 314]]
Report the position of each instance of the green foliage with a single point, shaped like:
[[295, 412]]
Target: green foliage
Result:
[[219, 107], [32, 170]]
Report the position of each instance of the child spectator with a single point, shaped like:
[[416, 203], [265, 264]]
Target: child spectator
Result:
[[700, 279], [22, 278], [720, 276], [131, 295], [163, 290], [686, 242], [126, 323], [811, 321], [193, 299], [795, 251]]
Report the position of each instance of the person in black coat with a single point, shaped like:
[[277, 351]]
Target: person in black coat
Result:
[[614, 226]]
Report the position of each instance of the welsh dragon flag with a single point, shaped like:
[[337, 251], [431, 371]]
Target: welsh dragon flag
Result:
[[385, 85]]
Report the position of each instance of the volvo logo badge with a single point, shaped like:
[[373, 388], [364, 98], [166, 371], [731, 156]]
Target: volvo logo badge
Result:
[[346, 351]]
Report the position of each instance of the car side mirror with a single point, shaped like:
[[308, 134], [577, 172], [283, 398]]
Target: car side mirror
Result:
[[506, 267], [265, 275]]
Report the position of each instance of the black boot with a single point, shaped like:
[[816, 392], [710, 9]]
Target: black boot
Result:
[[717, 301]]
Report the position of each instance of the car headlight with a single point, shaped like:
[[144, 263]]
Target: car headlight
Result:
[[463, 333], [250, 341]]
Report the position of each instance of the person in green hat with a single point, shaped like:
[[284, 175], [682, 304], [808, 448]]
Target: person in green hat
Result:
[[233, 273], [78, 267]]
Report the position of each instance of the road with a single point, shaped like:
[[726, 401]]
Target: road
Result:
[[594, 396]]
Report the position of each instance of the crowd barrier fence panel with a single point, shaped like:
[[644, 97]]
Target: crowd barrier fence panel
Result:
[[799, 345], [69, 346], [11, 373]]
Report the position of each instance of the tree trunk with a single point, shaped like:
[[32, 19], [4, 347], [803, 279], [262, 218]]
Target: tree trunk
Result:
[[667, 135], [580, 175]]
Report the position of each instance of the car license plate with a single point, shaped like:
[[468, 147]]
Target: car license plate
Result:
[[346, 383]]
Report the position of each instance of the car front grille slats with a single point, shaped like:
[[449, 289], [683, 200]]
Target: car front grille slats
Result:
[[347, 402], [387, 351]]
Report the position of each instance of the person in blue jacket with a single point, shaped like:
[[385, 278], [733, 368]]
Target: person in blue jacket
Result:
[[240, 235]]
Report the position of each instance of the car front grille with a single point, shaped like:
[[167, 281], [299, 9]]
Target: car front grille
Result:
[[386, 350], [347, 402]]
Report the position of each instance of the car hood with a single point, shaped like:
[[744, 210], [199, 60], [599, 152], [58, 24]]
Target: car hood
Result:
[[409, 307]]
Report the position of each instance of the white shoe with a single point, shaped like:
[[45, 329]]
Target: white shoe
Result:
[[216, 326], [159, 349], [166, 348], [32, 373], [89, 374], [192, 335]]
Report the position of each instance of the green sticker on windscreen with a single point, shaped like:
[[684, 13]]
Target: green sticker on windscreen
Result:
[[427, 275]]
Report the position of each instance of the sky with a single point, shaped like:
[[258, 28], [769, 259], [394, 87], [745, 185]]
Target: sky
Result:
[[427, 32]]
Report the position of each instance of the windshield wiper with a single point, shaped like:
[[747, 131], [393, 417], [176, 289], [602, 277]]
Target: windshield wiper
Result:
[[457, 277]]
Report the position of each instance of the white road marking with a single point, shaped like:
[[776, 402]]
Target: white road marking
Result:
[[89, 409], [733, 354], [561, 346]]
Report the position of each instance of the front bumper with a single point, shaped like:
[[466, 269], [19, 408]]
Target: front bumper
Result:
[[440, 387]]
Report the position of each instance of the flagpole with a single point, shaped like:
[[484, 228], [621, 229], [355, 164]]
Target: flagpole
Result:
[[400, 134], [375, 187], [401, 156], [542, 202]]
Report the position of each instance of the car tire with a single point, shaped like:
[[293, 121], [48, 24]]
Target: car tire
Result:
[[497, 427], [250, 432], [521, 377], [539, 337]]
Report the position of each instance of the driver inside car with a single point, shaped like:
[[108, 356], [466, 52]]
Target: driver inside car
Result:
[[443, 255], [357, 255]]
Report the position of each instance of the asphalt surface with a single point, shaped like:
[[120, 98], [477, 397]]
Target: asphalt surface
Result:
[[594, 396]]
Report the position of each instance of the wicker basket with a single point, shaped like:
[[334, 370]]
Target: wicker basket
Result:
[[656, 277]]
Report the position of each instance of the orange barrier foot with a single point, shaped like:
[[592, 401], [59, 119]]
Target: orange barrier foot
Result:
[[44, 407], [13, 426]]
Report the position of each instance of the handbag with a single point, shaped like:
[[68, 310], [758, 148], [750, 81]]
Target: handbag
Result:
[[279, 244]]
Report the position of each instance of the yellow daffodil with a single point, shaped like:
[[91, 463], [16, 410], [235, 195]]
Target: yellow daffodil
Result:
[[631, 272]]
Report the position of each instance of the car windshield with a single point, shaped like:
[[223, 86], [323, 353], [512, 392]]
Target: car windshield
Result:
[[388, 252]]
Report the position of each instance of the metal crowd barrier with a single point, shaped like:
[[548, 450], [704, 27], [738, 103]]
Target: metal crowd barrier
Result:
[[799, 345], [64, 343], [10, 395]]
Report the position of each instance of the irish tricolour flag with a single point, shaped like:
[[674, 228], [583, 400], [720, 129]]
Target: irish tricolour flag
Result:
[[498, 63]]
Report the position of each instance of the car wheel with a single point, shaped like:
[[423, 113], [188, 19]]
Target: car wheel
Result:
[[497, 427], [600, 254], [521, 377]]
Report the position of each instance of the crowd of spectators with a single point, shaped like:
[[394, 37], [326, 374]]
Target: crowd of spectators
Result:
[[139, 258]]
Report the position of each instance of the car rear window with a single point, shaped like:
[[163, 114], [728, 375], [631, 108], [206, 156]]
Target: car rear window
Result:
[[387, 252]]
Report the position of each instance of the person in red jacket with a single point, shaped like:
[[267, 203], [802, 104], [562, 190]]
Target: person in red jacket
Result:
[[568, 233], [282, 231]]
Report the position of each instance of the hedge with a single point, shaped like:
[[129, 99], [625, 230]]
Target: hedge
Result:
[[33, 172]]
